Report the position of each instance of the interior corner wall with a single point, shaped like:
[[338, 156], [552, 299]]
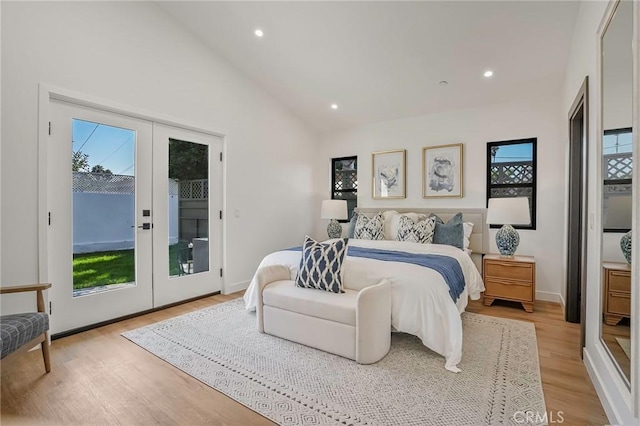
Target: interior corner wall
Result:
[[133, 54], [475, 127], [582, 62]]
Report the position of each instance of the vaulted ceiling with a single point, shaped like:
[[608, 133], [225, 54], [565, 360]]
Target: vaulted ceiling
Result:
[[385, 60]]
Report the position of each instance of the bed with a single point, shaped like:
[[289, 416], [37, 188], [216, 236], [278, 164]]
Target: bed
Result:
[[422, 303]]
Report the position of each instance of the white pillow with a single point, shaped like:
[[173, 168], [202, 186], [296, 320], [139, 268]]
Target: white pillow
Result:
[[468, 229], [390, 216]]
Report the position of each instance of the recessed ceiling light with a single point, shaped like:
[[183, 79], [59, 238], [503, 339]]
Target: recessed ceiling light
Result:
[[488, 73], [443, 83], [258, 32], [334, 106]]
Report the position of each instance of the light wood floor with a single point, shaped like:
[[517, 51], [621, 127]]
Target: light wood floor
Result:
[[99, 377], [609, 334]]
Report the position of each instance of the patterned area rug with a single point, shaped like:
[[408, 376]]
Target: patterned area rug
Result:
[[625, 344], [293, 384]]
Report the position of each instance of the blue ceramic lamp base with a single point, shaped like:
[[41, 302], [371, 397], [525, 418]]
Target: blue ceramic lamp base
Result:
[[507, 240], [334, 229]]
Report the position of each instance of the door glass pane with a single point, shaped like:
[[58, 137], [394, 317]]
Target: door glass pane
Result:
[[103, 165], [188, 208]]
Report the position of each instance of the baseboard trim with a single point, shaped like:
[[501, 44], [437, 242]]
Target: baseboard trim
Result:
[[126, 317], [235, 287], [596, 380], [549, 296], [612, 391]]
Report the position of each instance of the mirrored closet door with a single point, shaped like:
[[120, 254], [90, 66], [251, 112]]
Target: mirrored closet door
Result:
[[617, 169]]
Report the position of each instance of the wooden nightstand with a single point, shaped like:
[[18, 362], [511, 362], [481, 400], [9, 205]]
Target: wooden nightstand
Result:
[[617, 292], [509, 278]]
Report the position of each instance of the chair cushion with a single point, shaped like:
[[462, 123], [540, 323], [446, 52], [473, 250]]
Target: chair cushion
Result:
[[338, 307], [18, 329]]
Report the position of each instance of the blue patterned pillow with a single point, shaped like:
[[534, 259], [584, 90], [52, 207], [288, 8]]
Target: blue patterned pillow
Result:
[[450, 233], [369, 229], [321, 264], [418, 232]]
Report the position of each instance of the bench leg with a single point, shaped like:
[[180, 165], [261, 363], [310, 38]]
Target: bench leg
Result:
[[45, 353]]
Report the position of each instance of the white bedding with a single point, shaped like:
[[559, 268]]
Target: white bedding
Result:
[[421, 304]]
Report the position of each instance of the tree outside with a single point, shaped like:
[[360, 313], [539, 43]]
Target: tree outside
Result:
[[188, 160], [79, 161]]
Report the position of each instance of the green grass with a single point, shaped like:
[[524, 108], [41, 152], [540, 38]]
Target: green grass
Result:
[[113, 267]]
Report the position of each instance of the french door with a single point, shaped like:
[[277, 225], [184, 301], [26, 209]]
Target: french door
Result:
[[130, 204], [187, 200]]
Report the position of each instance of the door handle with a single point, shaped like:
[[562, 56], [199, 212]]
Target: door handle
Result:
[[145, 225]]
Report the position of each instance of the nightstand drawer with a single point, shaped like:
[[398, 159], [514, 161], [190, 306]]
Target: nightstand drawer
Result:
[[510, 270], [503, 289], [619, 303], [620, 281]]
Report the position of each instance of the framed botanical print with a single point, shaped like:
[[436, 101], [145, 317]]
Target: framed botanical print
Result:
[[442, 171], [389, 174]]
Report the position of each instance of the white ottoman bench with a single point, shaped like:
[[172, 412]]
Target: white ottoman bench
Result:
[[354, 324]]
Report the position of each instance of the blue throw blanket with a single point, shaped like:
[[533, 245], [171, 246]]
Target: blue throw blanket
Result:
[[446, 266]]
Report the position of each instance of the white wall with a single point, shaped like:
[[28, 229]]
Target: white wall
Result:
[[0, 147], [103, 222], [617, 73], [473, 127], [132, 54], [583, 62], [611, 251]]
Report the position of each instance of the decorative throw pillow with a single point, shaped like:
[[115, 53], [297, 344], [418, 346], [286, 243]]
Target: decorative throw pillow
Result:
[[392, 222], [321, 265], [450, 233], [352, 225], [369, 229], [416, 232]]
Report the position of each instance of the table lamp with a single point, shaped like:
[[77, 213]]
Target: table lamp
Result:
[[334, 210], [507, 212]]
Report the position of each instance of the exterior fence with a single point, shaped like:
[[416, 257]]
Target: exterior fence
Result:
[[617, 193], [104, 215], [194, 209]]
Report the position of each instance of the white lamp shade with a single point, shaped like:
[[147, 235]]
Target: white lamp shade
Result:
[[508, 211], [334, 209]]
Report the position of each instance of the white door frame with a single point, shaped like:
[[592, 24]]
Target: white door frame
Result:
[[46, 93]]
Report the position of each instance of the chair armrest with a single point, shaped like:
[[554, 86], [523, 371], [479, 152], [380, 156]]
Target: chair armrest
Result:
[[373, 322], [265, 276], [23, 288], [39, 288]]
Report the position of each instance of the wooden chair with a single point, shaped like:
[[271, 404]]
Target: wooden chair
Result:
[[21, 332]]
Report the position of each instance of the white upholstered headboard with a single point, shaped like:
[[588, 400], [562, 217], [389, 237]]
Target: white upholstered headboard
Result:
[[479, 241]]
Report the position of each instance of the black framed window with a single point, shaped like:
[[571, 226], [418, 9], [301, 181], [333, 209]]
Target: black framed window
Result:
[[511, 172], [344, 181], [617, 157]]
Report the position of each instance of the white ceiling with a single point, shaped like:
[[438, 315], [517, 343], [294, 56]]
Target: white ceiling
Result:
[[384, 60]]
